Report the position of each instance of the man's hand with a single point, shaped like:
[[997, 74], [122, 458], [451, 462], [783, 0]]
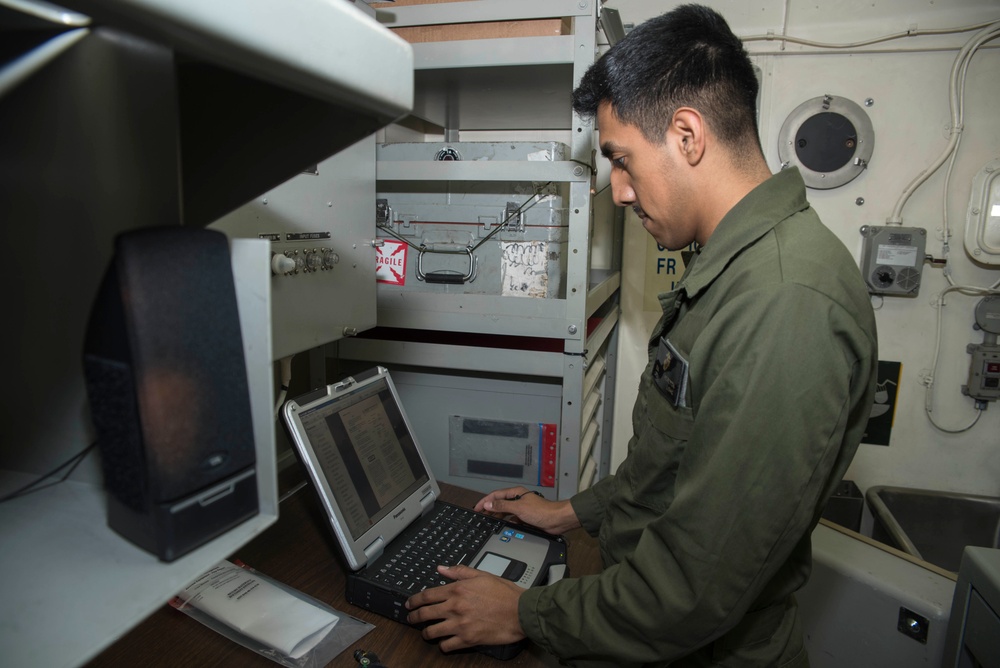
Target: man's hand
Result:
[[476, 609], [555, 517]]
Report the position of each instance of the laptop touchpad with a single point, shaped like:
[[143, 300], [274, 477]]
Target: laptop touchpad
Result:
[[504, 567]]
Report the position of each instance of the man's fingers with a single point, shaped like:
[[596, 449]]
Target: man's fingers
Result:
[[427, 613], [446, 632], [476, 608], [489, 502], [428, 596], [435, 595], [445, 626], [441, 629], [424, 613], [508, 506], [495, 506], [453, 643], [459, 572]]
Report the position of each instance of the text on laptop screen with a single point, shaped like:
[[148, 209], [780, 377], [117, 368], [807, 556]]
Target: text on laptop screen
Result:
[[366, 452]]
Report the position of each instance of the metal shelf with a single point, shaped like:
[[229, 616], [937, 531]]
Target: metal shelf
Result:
[[510, 316], [70, 577], [516, 354], [475, 11], [455, 357], [462, 55], [529, 79], [481, 170]]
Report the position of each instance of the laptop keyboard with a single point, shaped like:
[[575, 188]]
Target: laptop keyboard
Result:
[[450, 535]]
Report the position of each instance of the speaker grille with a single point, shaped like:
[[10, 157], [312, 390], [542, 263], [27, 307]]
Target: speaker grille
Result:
[[112, 404], [908, 279], [165, 354]]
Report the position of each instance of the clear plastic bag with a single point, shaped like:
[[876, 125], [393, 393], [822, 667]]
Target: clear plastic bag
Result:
[[269, 617]]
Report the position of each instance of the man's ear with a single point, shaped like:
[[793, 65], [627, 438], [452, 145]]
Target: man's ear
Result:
[[688, 128]]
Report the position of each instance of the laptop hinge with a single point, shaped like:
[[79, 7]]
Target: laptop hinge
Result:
[[374, 551], [427, 502]]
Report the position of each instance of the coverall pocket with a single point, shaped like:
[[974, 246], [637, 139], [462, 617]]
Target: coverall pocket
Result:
[[675, 423], [653, 462]]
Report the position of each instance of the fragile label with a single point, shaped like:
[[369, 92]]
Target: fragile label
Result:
[[391, 262]]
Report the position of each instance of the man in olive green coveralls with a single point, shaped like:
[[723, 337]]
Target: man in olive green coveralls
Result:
[[760, 381]]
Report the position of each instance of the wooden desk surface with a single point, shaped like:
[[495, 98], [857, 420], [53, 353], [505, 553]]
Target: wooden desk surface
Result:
[[299, 551]]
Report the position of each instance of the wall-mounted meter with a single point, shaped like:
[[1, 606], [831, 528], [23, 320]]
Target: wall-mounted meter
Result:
[[984, 369], [892, 258]]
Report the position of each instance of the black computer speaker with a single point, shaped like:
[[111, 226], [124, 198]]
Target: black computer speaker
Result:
[[167, 384]]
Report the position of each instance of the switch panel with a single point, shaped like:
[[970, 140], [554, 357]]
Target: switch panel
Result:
[[320, 226], [984, 369], [984, 373]]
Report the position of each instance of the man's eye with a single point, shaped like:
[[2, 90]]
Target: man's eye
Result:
[[619, 162]]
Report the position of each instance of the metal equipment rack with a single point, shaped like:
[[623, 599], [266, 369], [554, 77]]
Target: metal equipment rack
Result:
[[514, 84]]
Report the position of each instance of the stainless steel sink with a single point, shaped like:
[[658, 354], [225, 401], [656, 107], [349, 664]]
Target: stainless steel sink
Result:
[[934, 526]]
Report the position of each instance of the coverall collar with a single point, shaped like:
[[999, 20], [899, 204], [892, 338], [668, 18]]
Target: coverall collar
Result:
[[753, 216]]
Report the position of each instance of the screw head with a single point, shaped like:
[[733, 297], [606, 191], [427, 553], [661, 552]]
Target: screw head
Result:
[[869, 102]]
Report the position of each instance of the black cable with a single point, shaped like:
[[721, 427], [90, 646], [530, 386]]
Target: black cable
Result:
[[74, 460], [530, 202], [514, 214]]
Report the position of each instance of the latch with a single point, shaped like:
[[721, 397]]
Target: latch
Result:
[[513, 217], [383, 212]]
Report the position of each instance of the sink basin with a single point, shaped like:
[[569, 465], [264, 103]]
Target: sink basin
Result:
[[934, 526]]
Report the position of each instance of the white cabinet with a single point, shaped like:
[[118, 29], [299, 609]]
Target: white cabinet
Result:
[[127, 114]]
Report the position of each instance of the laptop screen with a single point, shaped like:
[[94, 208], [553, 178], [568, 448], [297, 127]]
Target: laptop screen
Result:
[[367, 454]]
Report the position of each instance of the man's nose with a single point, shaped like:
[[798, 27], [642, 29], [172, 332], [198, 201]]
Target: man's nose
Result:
[[621, 189]]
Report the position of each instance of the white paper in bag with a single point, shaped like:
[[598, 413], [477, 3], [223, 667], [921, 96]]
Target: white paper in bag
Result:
[[258, 609]]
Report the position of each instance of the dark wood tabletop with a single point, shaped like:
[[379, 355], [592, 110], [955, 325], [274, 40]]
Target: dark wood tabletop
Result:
[[299, 551]]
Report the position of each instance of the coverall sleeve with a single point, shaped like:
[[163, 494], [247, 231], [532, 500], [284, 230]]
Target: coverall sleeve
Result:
[[589, 504]]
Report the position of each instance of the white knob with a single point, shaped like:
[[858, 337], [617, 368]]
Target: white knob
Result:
[[281, 264]]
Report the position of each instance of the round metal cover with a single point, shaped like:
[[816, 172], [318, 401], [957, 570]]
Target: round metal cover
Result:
[[829, 138], [988, 315]]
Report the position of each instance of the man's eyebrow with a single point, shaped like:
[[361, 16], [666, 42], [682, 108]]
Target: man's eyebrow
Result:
[[607, 148]]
